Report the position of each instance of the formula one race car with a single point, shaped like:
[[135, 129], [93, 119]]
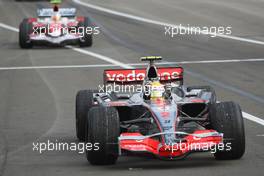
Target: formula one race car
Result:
[[150, 112], [57, 26]]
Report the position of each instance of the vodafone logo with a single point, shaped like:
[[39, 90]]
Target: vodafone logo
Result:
[[139, 74], [125, 75]]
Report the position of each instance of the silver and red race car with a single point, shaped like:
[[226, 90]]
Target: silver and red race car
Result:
[[56, 26], [150, 112]]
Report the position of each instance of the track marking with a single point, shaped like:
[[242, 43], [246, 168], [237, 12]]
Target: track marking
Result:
[[117, 63], [11, 28], [150, 21], [207, 61], [253, 118], [104, 58], [260, 135], [56, 67], [129, 64]]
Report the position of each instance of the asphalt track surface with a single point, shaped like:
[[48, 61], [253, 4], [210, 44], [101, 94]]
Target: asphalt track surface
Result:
[[38, 104]]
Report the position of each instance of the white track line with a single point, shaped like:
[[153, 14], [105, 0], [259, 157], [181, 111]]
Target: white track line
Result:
[[56, 67], [260, 135], [11, 28], [253, 118], [117, 63], [129, 64], [150, 21], [206, 61], [104, 58]]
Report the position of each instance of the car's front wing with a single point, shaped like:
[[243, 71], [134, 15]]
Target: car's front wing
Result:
[[200, 140]]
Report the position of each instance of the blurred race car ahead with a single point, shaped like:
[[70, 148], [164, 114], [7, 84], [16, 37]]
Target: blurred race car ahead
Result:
[[165, 119], [57, 26]]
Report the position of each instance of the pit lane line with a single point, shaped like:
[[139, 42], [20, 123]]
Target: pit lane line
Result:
[[150, 21], [122, 65]]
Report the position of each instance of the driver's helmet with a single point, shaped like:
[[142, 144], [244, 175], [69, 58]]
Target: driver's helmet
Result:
[[156, 90], [56, 17]]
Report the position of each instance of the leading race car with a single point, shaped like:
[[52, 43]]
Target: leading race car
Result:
[[150, 112], [57, 26]]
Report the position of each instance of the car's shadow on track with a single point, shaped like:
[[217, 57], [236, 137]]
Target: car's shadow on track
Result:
[[40, 47], [139, 163], [135, 163], [15, 45]]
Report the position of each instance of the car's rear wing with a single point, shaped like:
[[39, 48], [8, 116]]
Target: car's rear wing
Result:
[[137, 76], [64, 12]]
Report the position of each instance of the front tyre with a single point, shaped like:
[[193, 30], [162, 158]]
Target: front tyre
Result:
[[104, 129], [25, 30], [84, 101], [226, 118], [87, 39]]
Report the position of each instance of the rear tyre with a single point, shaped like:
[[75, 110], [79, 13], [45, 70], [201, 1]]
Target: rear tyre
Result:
[[84, 101], [25, 29], [87, 40], [226, 118], [104, 129]]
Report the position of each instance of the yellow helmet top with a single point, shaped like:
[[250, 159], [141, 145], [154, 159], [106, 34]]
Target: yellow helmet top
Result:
[[157, 90], [55, 1]]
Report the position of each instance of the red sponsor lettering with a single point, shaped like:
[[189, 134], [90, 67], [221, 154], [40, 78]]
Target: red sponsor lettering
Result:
[[139, 74]]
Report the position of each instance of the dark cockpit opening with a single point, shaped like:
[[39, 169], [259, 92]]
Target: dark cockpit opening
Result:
[[152, 72]]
